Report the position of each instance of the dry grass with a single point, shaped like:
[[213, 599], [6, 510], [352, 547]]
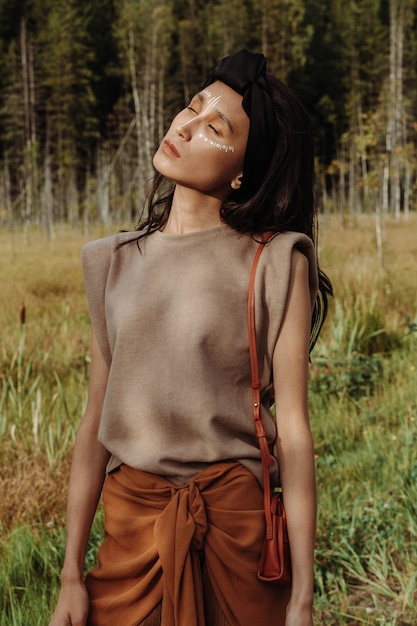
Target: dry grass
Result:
[[348, 253], [45, 276], [32, 492], [365, 566]]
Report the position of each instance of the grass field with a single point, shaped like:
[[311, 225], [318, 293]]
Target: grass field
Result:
[[362, 403]]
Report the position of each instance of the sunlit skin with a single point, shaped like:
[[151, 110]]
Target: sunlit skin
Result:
[[206, 167]]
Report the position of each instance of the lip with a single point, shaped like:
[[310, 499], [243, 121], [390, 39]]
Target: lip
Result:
[[170, 148]]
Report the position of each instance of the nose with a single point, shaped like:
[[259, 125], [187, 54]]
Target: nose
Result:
[[185, 130]]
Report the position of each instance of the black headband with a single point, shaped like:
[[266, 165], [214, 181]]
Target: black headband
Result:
[[245, 72]]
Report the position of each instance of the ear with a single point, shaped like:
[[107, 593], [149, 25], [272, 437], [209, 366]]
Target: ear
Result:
[[236, 182]]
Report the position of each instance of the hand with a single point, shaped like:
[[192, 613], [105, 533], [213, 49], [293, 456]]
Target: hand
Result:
[[72, 606]]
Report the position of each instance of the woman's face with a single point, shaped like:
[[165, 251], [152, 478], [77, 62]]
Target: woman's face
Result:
[[205, 146]]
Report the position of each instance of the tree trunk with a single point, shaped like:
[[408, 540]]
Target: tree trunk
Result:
[[103, 187], [8, 194], [353, 198], [407, 189], [138, 118], [378, 235], [342, 188], [161, 94], [395, 132], [72, 197], [385, 181], [27, 156], [47, 201], [362, 155]]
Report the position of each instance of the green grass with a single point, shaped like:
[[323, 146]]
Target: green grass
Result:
[[364, 416], [31, 561], [366, 470], [363, 413]]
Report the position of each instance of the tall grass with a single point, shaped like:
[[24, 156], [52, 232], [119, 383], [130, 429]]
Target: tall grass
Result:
[[363, 414], [364, 417], [31, 561], [367, 467]]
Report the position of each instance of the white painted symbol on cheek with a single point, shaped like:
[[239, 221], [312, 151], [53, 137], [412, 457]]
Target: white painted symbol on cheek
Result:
[[213, 144]]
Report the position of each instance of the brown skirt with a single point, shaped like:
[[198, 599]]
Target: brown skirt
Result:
[[159, 535], [213, 613]]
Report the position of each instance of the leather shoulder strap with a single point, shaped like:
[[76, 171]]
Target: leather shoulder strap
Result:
[[256, 386]]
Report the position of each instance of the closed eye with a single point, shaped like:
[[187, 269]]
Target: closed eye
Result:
[[214, 129], [190, 108]]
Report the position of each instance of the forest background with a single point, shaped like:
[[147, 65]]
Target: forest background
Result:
[[87, 89]]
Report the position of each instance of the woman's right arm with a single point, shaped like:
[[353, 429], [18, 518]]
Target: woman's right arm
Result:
[[86, 481]]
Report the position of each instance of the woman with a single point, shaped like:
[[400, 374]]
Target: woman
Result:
[[168, 417]]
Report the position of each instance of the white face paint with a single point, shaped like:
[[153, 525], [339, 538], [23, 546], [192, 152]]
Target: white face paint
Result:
[[211, 104], [214, 144], [216, 137]]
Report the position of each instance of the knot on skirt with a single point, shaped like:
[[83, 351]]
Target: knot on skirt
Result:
[[179, 534], [191, 498], [184, 519]]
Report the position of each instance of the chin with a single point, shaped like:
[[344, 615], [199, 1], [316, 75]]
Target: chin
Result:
[[162, 165]]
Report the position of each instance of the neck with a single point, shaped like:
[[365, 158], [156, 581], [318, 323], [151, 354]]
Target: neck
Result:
[[191, 211]]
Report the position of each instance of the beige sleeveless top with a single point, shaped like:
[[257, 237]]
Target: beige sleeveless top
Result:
[[171, 321]]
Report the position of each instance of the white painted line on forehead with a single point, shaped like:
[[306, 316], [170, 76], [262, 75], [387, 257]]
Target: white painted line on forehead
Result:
[[213, 102]]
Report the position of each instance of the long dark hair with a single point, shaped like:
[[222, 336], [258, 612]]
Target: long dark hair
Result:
[[283, 202]]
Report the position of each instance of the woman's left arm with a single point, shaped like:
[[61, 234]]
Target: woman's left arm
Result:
[[294, 441]]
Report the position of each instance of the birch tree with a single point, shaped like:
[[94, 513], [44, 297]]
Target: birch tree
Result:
[[30, 170], [285, 34], [145, 35], [88, 88], [69, 99], [397, 170]]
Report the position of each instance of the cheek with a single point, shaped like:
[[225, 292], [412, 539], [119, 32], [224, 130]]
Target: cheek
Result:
[[227, 158], [220, 167]]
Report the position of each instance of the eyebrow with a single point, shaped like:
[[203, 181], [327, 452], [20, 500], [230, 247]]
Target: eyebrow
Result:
[[224, 117]]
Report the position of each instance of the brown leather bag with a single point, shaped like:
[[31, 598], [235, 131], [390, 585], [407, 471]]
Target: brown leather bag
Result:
[[275, 563]]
